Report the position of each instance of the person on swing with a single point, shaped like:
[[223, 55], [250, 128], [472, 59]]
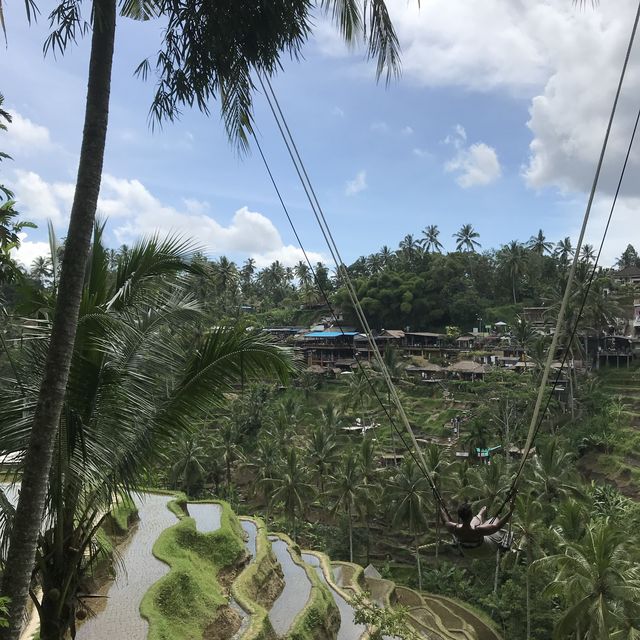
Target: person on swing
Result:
[[472, 531]]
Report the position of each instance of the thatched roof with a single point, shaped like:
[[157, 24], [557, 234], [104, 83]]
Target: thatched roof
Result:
[[430, 367], [467, 366], [315, 368]]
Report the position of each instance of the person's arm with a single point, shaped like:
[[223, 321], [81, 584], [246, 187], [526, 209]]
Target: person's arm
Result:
[[492, 527], [481, 514], [449, 526]]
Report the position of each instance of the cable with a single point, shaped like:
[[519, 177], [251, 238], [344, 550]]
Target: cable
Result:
[[326, 232], [334, 315], [536, 418]]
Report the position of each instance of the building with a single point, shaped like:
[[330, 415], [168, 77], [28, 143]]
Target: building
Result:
[[328, 349], [387, 338], [627, 275]]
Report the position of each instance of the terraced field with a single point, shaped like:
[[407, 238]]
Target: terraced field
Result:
[[621, 465]]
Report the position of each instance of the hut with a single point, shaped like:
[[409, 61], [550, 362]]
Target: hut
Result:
[[467, 370]]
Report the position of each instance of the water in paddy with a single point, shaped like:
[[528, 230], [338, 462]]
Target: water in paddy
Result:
[[206, 515], [251, 530], [349, 628], [136, 572], [296, 592]]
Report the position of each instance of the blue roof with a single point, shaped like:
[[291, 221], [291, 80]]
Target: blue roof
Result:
[[329, 334]]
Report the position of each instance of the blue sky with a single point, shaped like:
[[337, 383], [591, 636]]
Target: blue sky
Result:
[[496, 121]]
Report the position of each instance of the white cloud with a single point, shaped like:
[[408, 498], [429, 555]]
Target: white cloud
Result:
[[379, 127], [133, 211], [358, 184], [338, 112], [421, 153], [30, 250], [407, 131], [25, 137], [39, 200], [562, 57], [476, 165]]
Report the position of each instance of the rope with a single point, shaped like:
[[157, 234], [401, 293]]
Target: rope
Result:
[[537, 418], [335, 254], [325, 297]]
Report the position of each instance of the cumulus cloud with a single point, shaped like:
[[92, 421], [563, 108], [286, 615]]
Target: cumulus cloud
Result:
[[25, 137], [563, 58], [476, 164], [30, 250], [407, 131], [358, 184], [133, 211], [338, 112]]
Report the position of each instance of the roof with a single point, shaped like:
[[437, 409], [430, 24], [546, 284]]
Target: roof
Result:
[[425, 334], [427, 366], [628, 272], [329, 334], [394, 333], [468, 366]]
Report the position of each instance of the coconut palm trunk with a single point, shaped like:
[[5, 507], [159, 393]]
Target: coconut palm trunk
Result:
[[350, 534], [415, 540], [22, 549]]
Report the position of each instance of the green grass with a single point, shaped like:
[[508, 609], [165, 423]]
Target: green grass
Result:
[[184, 602], [122, 516]]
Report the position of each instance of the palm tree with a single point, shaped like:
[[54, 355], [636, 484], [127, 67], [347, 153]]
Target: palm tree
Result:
[[409, 247], [386, 256], [348, 491], [513, 258], [430, 240], [436, 462], [266, 460], [322, 455], [41, 268], [368, 461], [292, 489], [9, 226], [188, 471], [587, 253], [529, 527], [552, 472], [220, 65], [131, 393], [466, 238], [303, 273], [524, 333], [227, 448], [409, 496], [564, 250], [539, 244], [246, 273], [599, 582]]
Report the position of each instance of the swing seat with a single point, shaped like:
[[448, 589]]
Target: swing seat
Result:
[[501, 541]]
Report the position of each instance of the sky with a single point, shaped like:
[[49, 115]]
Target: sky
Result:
[[497, 120]]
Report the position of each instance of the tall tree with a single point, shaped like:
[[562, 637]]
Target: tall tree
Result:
[[599, 583], [138, 382], [409, 496], [539, 243], [564, 251], [10, 227], [349, 491], [513, 259], [430, 241], [208, 51], [466, 238]]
